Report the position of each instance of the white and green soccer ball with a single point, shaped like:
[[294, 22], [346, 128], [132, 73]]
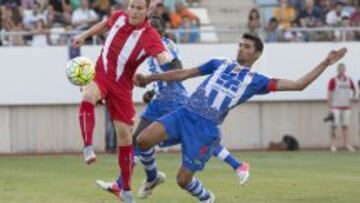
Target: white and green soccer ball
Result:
[[80, 71]]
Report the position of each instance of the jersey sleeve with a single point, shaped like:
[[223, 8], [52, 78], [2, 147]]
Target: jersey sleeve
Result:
[[264, 84], [331, 85], [152, 43], [172, 49], [210, 66], [113, 18], [352, 86]]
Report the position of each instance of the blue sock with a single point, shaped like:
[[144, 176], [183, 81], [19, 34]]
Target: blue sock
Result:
[[147, 159], [136, 150], [196, 189], [223, 154], [119, 182]]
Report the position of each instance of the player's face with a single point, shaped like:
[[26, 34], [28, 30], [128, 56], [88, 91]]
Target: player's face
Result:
[[137, 11], [341, 70], [247, 53]]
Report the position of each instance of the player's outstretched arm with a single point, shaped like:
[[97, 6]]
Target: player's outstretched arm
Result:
[[97, 29], [175, 75], [307, 79]]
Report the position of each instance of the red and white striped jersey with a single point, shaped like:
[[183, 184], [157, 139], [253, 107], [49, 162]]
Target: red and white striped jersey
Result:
[[341, 88], [126, 47]]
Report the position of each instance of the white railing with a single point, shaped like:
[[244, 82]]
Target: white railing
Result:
[[228, 35]]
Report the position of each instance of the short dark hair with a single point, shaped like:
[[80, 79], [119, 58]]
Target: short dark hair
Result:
[[148, 2], [259, 45], [158, 23]]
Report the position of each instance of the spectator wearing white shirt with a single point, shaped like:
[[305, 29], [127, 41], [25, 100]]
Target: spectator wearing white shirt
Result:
[[334, 17], [31, 17], [84, 17]]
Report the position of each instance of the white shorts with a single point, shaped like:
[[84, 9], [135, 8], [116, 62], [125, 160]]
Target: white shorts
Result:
[[341, 117]]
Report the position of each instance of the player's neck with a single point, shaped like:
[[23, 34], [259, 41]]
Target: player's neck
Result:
[[247, 64]]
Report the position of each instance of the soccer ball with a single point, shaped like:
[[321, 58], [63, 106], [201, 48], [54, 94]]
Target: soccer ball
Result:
[[80, 71]]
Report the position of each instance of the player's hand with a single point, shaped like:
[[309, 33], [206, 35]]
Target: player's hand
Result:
[[148, 96], [78, 40], [140, 80], [335, 55]]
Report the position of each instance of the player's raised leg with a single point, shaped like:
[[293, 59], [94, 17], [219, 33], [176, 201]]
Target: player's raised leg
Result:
[[91, 94], [146, 141], [187, 181], [241, 168]]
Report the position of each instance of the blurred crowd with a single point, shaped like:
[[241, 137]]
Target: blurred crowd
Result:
[[309, 14], [31, 21]]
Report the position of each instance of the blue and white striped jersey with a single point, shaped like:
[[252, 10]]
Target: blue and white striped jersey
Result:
[[173, 91], [228, 85]]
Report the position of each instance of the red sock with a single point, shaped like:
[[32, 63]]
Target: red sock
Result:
[[126, 159], [87, 121]]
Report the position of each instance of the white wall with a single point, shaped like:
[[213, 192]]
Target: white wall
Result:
[[37, 75], [38, 106]]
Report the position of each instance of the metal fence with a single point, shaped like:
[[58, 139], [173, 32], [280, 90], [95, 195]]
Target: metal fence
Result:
[[202, 35]]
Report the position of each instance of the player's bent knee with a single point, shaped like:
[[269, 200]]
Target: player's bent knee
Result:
[[143, 142], [91, 93], [183, 180]]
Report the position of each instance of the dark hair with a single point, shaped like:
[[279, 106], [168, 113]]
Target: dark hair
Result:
[[253, 10], [148, 2], [259, 45], [158, 23]]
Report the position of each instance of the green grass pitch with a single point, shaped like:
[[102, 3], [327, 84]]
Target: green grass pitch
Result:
[[308, 177]]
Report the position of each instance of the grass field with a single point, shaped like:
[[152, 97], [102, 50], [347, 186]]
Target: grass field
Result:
[[318, 177]]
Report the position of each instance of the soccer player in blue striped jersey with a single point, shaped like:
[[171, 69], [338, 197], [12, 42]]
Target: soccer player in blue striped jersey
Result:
[[168, 97], [229, 83]]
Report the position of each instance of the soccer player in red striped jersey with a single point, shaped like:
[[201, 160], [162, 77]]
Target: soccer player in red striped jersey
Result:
[[130, 40]]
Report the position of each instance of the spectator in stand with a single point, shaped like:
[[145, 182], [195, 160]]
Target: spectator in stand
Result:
[[355, 17], [285, 14], [39, 33], [341, 90], [84, 17], [355, 22], [11, 3], [171, 4], [59, 12], [12, 22], [188, 31], [310, 16], [74, 4], [325, 6], [193, 3], [27, 4], [180, 13], [346, 35], [44, 7], [348, 6], [294, 36], [273, 33], [102, 8], [161, 11], [254, 23], [30, 19], [334, 17]]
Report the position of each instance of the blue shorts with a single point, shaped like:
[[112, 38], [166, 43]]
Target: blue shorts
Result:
[[157, 108], [197, 135]]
